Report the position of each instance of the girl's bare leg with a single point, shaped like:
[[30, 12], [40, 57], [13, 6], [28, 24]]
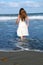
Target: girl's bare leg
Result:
[[22, 37]]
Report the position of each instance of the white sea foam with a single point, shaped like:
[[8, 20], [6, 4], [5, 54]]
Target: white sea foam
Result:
[[7, 18], [15, 17], [36, 17], [27, 49], [22, 49]]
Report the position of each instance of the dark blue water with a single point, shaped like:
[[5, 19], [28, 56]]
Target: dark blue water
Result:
[[8, 34]]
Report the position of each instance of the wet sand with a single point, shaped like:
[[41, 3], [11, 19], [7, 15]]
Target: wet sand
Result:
[[21, 58]]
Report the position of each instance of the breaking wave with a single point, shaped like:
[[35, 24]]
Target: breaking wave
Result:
[[15, 17]]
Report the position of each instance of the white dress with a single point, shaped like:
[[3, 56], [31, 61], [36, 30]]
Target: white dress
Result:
[[22, 29]]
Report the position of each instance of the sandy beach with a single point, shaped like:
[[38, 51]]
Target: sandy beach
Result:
[[21, 58]]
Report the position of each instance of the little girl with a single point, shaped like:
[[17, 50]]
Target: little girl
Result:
[[22, 29]]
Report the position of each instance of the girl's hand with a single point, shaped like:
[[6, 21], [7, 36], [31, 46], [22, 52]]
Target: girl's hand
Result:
[[18, 19]]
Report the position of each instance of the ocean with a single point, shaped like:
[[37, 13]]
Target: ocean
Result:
[[8, 35]]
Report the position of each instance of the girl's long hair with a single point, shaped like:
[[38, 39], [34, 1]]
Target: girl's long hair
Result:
[[22, 14], [20, 11]]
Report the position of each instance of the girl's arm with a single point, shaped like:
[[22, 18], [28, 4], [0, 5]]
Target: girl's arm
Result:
[[27, 20], [18, 19]]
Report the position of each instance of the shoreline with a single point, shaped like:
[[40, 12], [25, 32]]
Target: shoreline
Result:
[[24, 49]]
